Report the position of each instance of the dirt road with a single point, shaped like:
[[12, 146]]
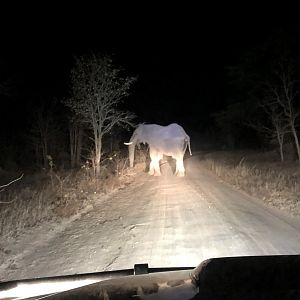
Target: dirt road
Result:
[[162, 221]]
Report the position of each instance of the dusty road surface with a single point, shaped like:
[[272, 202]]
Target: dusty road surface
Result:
[[162, 221]]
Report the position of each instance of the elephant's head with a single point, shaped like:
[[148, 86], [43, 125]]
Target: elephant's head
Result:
[[137, 137]]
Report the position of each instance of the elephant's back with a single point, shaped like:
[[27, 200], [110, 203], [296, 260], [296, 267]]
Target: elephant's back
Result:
[[176, 131]]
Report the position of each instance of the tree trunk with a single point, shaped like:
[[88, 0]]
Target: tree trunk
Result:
[[37, 154], [296, 140], [281, 151], [45, 153], [72, 135], [280, 137], [98, 145], [79, 146], [75, 132]]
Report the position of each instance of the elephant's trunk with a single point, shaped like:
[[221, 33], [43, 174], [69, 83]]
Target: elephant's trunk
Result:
[[131, 147], [131, 154]]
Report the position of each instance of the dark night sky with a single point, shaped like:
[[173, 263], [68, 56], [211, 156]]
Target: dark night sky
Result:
[[180, 57]]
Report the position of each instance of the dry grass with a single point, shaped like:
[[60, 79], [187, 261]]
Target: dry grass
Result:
[[43, 197], [51, 196], [259, 175], [26, 207], [38, 199]]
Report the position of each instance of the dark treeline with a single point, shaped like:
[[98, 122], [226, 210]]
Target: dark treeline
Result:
[[261, 85], [36, 126], [234, 107]]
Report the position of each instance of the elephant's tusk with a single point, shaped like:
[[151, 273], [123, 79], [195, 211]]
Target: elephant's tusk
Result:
[[128, 143]]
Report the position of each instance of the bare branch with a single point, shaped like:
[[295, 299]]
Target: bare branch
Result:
[[2, 187]]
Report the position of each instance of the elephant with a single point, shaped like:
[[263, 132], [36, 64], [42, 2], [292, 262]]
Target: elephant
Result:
[[169, 140]]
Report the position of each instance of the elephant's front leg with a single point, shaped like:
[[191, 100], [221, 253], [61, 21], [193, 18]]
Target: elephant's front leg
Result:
[[154, 164], [151, 168]]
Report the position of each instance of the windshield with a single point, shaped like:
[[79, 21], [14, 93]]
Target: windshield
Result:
[[118, 152]]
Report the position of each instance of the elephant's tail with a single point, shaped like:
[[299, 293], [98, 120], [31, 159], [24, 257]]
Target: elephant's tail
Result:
[[187, 143]]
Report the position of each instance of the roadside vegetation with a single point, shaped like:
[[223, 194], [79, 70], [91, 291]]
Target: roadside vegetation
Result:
[[73, 149], [261, 112], [52, 195], [260, 175]]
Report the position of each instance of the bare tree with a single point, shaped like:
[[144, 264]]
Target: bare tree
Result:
[[76, 135], [280, 129], [97, 90], [278, 105], [43, 131], [284, 94], [276, 126], [40, 135]]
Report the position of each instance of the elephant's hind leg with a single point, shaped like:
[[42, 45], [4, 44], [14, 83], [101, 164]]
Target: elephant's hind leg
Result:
[[180, 171], [157, 169], [154, 168]]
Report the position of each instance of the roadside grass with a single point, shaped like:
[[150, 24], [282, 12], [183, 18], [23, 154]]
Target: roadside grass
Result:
[[53, 195], [260, 175]]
